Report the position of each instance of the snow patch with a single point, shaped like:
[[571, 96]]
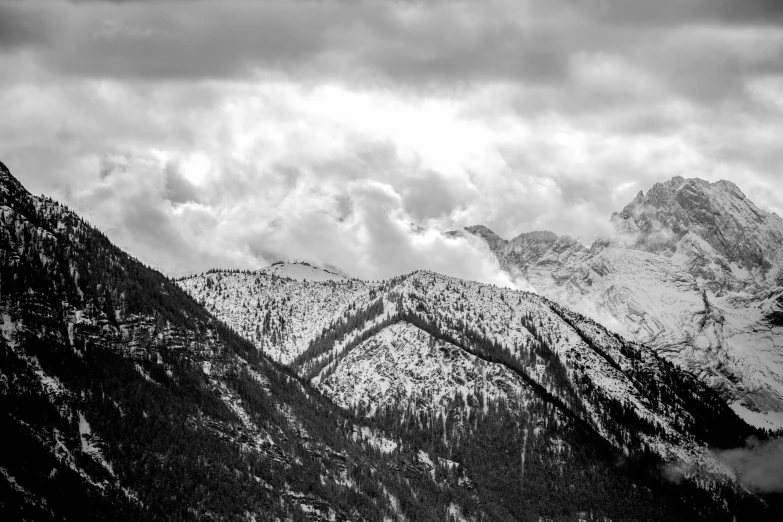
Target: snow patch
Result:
[[89, 444], [772, 420], [302, 272]]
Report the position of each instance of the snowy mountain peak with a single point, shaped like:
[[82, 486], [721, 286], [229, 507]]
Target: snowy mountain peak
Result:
[[493, 240], [539, 235], [717, 213], [682, 191], [301, 271], [546, 239], [536, 236], [540, 248], [693, 270]]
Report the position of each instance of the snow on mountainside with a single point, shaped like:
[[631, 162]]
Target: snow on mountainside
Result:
[[748, 240], [301, 272], [432, 350], [122, 399], [568, 356], [456, 364], [405, 365], [397, 363], [125, 399], [693, 271], [279, 308]]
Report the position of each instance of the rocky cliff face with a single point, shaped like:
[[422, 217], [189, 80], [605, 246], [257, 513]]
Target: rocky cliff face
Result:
[[694, 271], [741, 241]]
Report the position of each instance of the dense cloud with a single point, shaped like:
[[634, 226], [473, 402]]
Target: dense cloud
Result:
[[353, 133], [759, 465]]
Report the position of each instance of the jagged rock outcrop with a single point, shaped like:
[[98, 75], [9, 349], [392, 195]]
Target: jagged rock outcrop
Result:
[[730, 243]]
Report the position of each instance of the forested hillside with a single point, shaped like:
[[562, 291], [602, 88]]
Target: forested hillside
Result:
[[123, 399], [446, 362], [422, 397]]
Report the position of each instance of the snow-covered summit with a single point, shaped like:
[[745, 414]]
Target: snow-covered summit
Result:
[[280, 308], [301, 271], [694, 271], [717, 213]]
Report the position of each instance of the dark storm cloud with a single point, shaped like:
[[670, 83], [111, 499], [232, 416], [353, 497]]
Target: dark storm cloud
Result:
[[445, 44], [681, 12], [498, 50], [151, 225], [750, 11], [186, 41], [180, 40], [18, 29]]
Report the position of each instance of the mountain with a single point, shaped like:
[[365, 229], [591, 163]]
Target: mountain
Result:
[[266, 306], [461, 366], [422, 397], [301, 272], [122, 398], [694, 270], [726, 240]]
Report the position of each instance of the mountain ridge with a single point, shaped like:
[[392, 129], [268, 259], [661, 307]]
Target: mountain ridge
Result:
[[123, 399], [674, 275], [406, 347], [126, 398]]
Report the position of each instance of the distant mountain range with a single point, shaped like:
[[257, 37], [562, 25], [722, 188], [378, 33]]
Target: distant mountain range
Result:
[[694, 270], [293, 393]]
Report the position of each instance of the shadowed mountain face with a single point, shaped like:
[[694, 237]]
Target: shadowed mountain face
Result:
[[694, 270]]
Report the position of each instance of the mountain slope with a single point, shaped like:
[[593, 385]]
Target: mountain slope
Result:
[[733, 230], [444, 361], [693, 271], [123, 399], [405, 365], [301, 272], [261, 305]]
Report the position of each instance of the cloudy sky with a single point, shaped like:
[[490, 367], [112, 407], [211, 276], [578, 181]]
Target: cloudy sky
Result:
[[351, 133]]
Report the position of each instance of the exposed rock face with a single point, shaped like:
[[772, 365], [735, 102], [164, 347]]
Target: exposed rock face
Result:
[[694, 271], [737, 233]]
